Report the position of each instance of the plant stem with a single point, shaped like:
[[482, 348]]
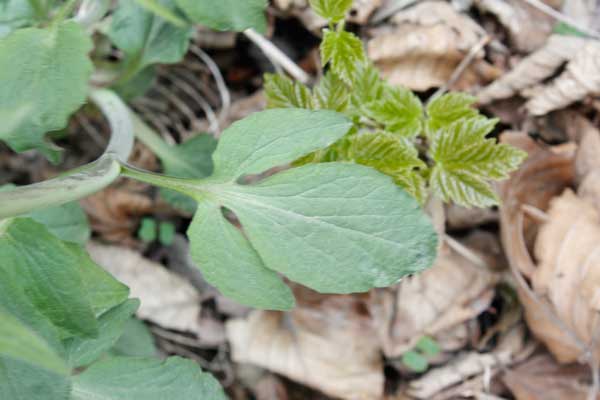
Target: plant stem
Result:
[[190, 187], [66, 9], [38, 8]]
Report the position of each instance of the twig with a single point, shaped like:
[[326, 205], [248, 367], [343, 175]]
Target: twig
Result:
[[387, 11], [546, 9], [465, 251], [535, 213], [460, 69], [277, 56]]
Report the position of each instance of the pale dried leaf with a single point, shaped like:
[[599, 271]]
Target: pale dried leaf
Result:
[[359, 13], [166, 299], [568, 272], [528, 28], [580, 79], [326, 342], [541, 378], [445, 296], [543, 175], [426, 46]]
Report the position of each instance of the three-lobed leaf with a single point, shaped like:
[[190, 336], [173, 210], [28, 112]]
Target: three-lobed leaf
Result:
[[449, 108], [282, 92], [400, 111], [332, 10], [344, 52], [42, 85]]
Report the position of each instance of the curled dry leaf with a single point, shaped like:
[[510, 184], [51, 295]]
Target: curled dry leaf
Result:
[[326, 343], [442, 298], [541, 378], [427, 44], [528, 28], [580, 78], [166, 299]]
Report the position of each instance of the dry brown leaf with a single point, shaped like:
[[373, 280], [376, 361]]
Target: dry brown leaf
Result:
[[326, 342], [451, 292], [359, 13], [580, 78], [543, 175], [541, 378], [115, 213], [528, 28], [166, 299], [458, 217], [428, 43]]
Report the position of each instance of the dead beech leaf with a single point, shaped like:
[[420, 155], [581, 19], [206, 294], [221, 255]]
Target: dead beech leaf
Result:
[[326, 342], [166, 299], [544, 175], [427, 44], [450, 293], [541, 378], [528, 28], [580, 78], [568, 273], [115, 213]]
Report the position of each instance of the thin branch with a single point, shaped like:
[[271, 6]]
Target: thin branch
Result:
[[277, 56], [546, 9]]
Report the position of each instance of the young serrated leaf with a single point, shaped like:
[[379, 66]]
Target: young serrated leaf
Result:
[[353, 222], [332, 10], [166, 233], [148, 230], [229, 262], [227, 15], [344, 52], [415, 361], [47, 270], [20, 380], [332, 93], [335, 152], [44, 75], [428, 346], [449, 108], [367, 87], [273, 138], [18, 342], [400, 111], [146, 38], [121, 378], [466, 161], [282, 92], [81, 352]]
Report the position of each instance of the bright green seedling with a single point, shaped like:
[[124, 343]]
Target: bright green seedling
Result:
[[441, 148], [417, 359]]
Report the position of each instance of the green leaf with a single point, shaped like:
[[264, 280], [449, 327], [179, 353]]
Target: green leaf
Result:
[[394, 156], [136, 341], [229, 262], [332, 93], [449, 108], [227, 15], [67, 222], [102, 290], [332, 10], [20, 380], [15, 14], [163, 10], [368, 86], [44, 75], [81, 352], [18, 342], [273, 138], [166, 233], [415, 361], [48, 271], [351, 221], [344, 52], [428, 346], [400, 111], [466, 161], [282, 92], [146, 38], [147, 231], [191, 159], [145, 379]]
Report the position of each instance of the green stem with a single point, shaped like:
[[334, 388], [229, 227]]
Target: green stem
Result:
[[38, 8], [191, 187], [66, 9]]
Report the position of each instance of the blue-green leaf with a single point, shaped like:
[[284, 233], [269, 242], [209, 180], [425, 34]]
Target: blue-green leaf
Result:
[[227, 15]]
